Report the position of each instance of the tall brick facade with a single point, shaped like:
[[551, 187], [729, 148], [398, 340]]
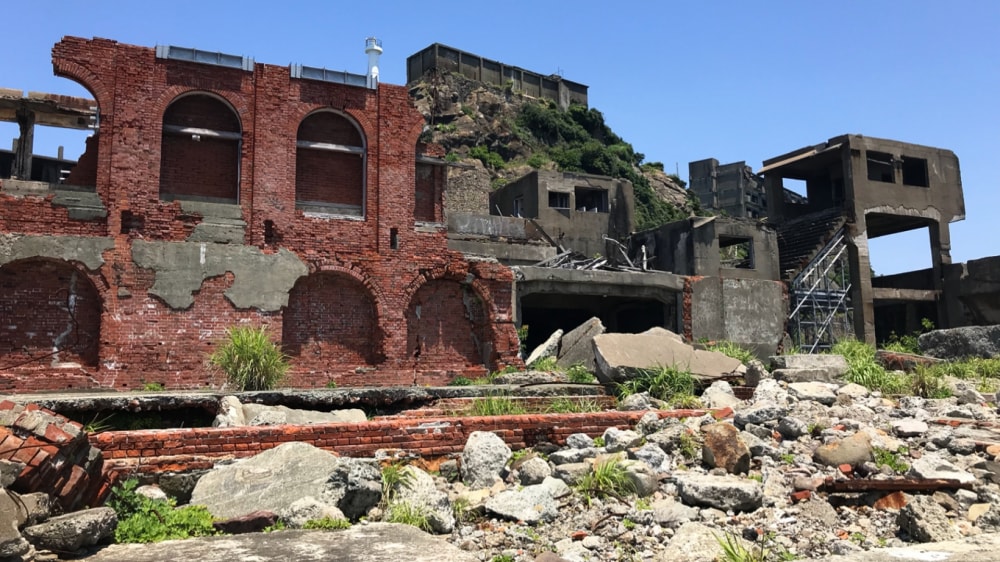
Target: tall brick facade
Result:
[[377, 299]]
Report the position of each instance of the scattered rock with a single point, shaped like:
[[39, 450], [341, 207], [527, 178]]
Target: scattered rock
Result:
[[854, 450], [418, 490], [483, 457], [721, 492], [70, 532], [724, 448], [250, 523], [926, 521], [531, 504], [933, 465]]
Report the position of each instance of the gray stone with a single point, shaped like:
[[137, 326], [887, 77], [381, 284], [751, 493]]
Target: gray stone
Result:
[[909, 427], [696, 542], [814, 391], [230, 413], [620, 357], [933, 465], [792, 428], [756, 372], [770, 391], [636, 402], [641, 477], [35, 508], [179, 485], [259, 414], [275, 479], [418, 490], [307, 509], [579, 441], [531, 504], [651, 454], [566, 456], [67, 533], [672, 437], [572, 473], [925, 521], [806, 375], [534, 471], [485, 455], [671, 513], [958, 343], [650, 422], [826, 361], [152, 492], [759, 413], [964, 392], [548, 348], [9, 471], [374, 542], [961, 446], [853, 390], [720, 395], [11, 516], [577, 345], [721, 492], [619, 440], [854, 450]]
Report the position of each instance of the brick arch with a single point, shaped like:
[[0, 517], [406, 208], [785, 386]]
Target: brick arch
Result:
[[50, 310], [328, 178], [332, 319], [448, 325], [87, 168], [200, 166], [460, 275]]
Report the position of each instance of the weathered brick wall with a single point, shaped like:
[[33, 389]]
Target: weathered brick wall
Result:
[[144, 340]]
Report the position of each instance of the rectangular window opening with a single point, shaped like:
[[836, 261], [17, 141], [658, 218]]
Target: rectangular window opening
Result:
[[591, 200], [519, 206], [394, 238], [881, 167], [558, 200], [915, 172], [736, 252]]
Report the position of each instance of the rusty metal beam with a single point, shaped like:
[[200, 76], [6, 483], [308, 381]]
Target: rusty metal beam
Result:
[[892, 485]]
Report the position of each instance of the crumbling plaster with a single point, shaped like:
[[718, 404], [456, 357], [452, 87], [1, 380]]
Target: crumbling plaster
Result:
[[86, 250], [181, 268]]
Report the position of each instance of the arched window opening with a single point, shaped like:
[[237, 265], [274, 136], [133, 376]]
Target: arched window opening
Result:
[[448, 327], [330, 165], [200, 153]]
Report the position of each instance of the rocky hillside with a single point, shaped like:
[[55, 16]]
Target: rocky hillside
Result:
[[502, 135]]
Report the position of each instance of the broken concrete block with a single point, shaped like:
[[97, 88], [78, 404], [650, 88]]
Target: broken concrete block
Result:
[[577, 345], [549, 348], [620, 357], [836, 365]]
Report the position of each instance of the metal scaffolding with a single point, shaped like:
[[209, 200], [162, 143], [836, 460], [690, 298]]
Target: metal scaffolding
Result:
[[821, 299]]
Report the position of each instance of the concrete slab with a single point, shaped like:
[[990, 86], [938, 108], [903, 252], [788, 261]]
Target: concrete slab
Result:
[[577, 346], [620, 356]]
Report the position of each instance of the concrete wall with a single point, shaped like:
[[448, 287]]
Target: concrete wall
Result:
[[746, 311], [474, 67], [729, 188], [580, 230], [172, 276]]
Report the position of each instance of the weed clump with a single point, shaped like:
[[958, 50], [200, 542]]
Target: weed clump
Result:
[[250, 360]]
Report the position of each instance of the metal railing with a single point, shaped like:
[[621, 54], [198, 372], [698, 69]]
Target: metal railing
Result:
[[820, 298]]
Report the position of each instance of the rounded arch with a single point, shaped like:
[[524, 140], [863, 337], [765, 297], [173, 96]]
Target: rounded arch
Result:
[[330, 163], [201, 149], [50, 311], [332, 318], [448, 325]]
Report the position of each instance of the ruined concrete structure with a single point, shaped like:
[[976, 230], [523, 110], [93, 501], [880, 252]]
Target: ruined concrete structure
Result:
[[217, 192], [438, 57], [731, 188], [860, 188]]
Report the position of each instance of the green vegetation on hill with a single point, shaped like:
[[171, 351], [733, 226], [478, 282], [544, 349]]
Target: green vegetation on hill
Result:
[[578, 140]]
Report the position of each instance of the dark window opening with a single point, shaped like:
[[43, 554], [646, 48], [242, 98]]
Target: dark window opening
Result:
[[558, 200], [591, 200], [394, 238], [519, 206], [131, 222], [736, 252], [915, 172], [200, 150], [270, 236], [881, 167]]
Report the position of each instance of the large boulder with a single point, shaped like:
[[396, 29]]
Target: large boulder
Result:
[[417, 489], [956, 343], [577, 345], [484, 456], [275, 479], [70, 532], [621, 357], [721, 492]]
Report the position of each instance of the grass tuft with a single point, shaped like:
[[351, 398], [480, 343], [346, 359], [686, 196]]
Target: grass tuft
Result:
[[250, 360]]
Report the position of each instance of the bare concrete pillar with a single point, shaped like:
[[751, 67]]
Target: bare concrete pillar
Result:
[[21, 168], [862, 297], [949, 309]]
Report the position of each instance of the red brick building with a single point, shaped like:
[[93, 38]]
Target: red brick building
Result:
[[218, 192]]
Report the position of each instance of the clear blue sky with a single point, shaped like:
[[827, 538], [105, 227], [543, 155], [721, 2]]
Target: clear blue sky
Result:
[[681, 81]]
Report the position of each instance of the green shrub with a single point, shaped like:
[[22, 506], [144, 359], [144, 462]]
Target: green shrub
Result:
[[885, 457], [579, 374], [928, 383], [250, 360], [607, 478], [662, 383], [408, 514], [545, 364], [734, 350], [152, 386], [327, 524], [394, 476], [537, 160], [497, 406], [460, 381], [863, 369], [144, 520], [489, 158]]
